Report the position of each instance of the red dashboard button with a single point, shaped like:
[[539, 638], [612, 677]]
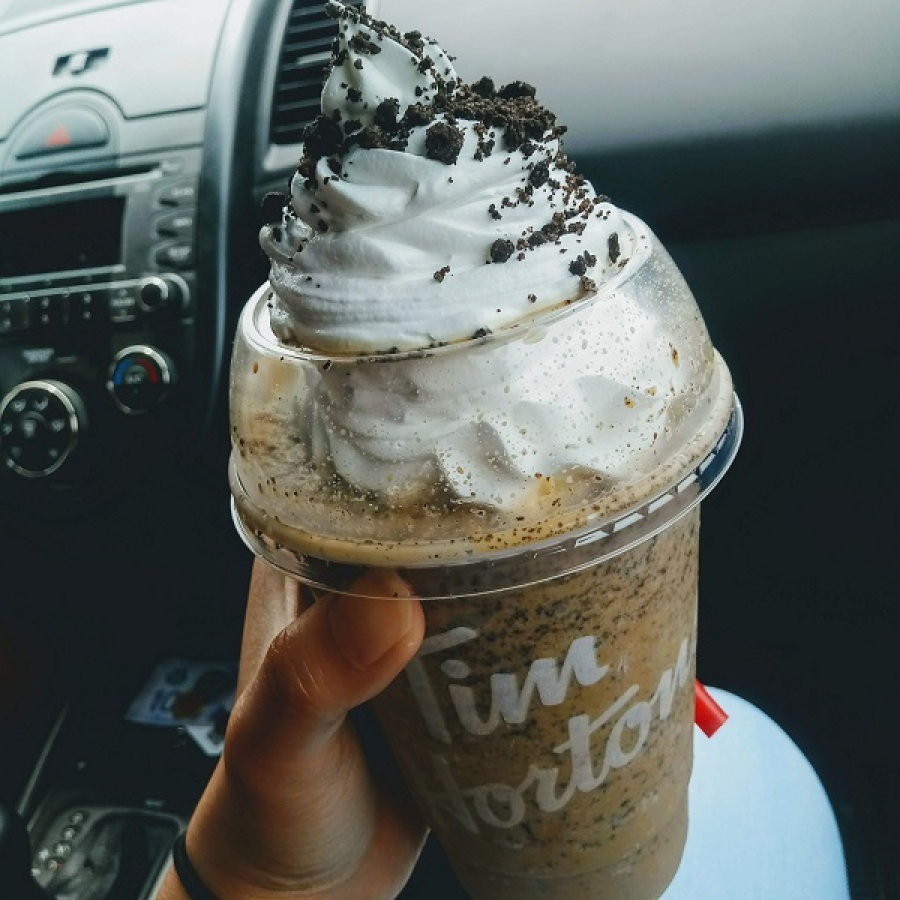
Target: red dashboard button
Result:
[[62, 130]]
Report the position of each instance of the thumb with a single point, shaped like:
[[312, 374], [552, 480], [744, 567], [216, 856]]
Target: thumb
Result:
[[340, 652]]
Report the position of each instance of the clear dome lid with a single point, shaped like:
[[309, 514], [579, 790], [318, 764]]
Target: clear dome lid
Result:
[[552, 432]]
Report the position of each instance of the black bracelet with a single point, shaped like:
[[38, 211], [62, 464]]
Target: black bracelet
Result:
[[187, 874]]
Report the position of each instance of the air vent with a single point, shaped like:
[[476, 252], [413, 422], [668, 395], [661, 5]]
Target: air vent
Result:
[[305, 51]]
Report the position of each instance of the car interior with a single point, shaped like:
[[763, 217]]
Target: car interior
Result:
[[138, 140]]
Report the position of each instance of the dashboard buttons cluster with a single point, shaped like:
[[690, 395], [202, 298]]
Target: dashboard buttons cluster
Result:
[[176, 225], [14, 314], [55, 305], [42, 420], [40, 423]]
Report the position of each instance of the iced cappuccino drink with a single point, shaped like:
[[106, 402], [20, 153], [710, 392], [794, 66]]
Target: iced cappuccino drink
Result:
[[470, 368]]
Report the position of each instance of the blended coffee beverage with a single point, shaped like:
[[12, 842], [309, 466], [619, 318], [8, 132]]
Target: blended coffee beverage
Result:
[[558, 724], [470, 368]]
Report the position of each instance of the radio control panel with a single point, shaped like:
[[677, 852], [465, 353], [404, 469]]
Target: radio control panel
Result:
[[98, 308], [124, 154], [101, 156], [47, 306]]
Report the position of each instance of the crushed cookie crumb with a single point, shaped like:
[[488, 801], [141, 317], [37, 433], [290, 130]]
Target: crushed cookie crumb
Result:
[[443, 142], [582, 263], [386, 113], [484, 87], [502, 250], [362, 43], [612, 246], [516, 89], [322, 137], [372, 137], [540, 174]]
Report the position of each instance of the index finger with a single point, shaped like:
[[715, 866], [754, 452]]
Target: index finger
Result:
[[273, 602]]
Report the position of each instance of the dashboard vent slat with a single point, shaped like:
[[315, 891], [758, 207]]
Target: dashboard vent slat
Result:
[[302, 59]]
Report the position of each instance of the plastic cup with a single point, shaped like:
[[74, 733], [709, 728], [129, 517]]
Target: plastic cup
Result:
[[545, 727]]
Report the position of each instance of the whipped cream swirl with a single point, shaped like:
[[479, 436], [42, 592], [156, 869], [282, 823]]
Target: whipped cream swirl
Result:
[[426, 211]]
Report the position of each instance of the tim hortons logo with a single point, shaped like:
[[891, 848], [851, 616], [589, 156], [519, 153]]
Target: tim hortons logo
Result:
[[595, 744]]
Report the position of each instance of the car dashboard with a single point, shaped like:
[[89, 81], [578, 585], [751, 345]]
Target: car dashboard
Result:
[[137, 143]]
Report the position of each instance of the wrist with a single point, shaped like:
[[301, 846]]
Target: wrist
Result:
[[215, 858], [191, 882]]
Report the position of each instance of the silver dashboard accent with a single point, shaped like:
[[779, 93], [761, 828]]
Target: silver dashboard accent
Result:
[[76, 63], [73, 420]]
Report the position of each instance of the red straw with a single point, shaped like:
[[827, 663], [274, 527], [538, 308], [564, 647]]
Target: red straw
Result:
[[708, 715]]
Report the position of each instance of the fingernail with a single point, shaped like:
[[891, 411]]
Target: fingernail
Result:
[[366, 628]]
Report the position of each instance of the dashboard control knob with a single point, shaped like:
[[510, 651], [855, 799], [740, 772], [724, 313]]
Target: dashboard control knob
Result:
[[161, 292], [40, 426], [140, 378]]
